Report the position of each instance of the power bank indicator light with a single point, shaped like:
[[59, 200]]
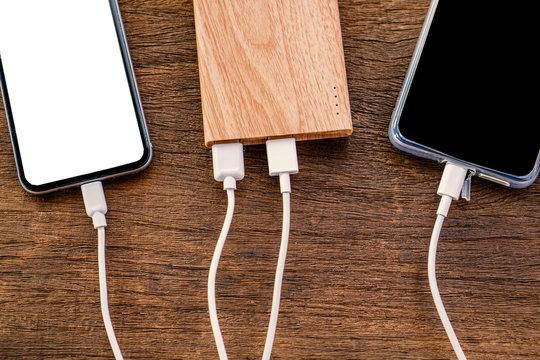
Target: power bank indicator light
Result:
[[335, 98]]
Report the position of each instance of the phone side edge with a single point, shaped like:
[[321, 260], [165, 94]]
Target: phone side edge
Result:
[[394, 134]]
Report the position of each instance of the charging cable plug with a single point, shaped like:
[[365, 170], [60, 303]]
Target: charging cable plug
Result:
[[228, 161], [96, 208], [95, 203], [450, 188], [282, 161]]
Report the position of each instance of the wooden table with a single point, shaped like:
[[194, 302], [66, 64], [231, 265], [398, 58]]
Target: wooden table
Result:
[[355, 283]]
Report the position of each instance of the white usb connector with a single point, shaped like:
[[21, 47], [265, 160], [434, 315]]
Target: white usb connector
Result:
[[228, 161], [95, 203], [282, 160], [450, 186], [282, 156]]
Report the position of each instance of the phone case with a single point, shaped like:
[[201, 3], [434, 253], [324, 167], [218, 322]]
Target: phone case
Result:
[[423, 151]]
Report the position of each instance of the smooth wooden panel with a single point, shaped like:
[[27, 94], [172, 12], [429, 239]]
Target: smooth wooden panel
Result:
[[271, 69], [355, 284]]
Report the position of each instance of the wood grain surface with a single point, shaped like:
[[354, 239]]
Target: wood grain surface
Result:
[[278, 73], [355, 284]]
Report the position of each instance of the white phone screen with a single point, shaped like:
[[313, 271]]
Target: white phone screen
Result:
[[71, 104]]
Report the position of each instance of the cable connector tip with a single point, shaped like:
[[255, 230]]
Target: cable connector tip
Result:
[[229, 183], [452, 180], [228, 161], [285, 183], [95, 203], [282, 156], [450, 187]]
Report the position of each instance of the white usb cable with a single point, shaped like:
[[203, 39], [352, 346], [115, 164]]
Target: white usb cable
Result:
[[228, 162], [282, 161], [449, 189], [96, 208]]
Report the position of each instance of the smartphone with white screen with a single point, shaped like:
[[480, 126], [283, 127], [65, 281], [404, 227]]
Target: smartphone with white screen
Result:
[[466, 96], [70, 93]]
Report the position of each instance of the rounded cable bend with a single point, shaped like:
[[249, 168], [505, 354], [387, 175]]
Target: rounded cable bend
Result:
[[103, 295], [432, 277], [212, 276]]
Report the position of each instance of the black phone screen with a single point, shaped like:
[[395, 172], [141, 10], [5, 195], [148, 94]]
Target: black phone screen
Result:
[[473, 93]]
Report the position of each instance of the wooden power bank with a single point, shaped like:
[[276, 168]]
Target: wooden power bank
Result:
[[270, 69]]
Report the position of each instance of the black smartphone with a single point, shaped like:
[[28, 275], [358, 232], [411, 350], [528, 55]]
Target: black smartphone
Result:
[[70, 93], [466, 96]]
